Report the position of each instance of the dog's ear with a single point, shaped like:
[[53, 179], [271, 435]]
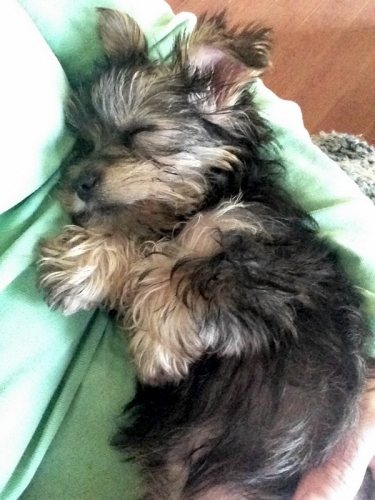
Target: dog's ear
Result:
[[230, 57], [121, 37]]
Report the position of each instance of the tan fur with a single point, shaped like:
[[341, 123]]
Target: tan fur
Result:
[[167, 337], [202, 234], [144, 186], [84, 268], [213, 33], [168, 481], [158, 144], [176, 179], [165, 340], [211, 46], [134, 182]]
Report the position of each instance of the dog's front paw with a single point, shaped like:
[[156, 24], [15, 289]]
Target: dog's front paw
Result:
[[68, 272], [164, 341], [155, 363]]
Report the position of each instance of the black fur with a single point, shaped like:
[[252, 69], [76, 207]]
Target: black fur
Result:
[[285, 402], [253, 422]]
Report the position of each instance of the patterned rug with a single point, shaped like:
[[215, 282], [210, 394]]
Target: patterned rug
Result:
[[354, 155]]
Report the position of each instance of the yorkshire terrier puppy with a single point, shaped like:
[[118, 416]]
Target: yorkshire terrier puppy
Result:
[[246, 336]]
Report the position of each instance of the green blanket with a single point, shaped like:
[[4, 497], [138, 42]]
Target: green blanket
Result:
[[71, 374]]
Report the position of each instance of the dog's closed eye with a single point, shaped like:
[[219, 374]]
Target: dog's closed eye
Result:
[[127, 136]]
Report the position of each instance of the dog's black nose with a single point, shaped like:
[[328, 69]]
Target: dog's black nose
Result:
[[85, 184]]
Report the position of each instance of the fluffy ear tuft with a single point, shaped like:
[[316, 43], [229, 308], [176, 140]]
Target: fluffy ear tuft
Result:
[[121, 37], [230, 57]]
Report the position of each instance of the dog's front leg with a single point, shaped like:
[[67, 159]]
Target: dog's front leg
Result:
[[81, 269], [166, 321]]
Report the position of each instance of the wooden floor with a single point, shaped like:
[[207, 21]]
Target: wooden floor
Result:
[[324, 56]]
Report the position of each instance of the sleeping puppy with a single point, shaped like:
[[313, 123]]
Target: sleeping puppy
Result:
[[245, 333]]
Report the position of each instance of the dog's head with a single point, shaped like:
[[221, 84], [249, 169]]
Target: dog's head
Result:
[[155, 134]]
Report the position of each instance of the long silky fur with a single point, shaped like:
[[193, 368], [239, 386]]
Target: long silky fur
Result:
[[246, 335]]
